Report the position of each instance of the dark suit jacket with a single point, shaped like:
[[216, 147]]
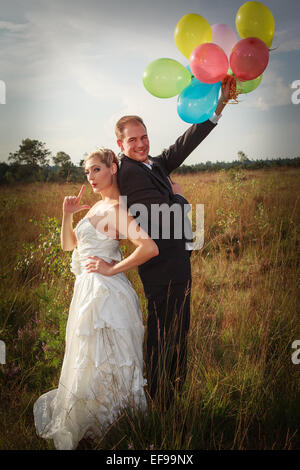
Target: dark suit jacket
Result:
[[144, 186]]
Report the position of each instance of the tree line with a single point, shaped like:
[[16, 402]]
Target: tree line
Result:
[[245, 165], [31, 163]]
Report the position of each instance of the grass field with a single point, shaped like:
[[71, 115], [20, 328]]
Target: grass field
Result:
[[242, 390]]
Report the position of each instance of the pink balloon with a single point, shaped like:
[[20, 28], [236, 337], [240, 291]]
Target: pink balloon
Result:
[[224, 36], [249, 58], [209, 63]]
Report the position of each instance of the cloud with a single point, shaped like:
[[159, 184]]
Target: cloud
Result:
[[291, 45], [273, 91], [286, 41], [11, 27]]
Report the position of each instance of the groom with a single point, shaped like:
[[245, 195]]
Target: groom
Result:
[[167, 277]]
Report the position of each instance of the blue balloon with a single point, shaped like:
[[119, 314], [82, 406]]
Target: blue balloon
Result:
[[198, 101]]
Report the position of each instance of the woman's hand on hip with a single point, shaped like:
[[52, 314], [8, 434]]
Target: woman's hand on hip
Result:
[[98, 265]]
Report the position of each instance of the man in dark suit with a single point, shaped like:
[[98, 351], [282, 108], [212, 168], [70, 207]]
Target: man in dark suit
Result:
[[166, 278]]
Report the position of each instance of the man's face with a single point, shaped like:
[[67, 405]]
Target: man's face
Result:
[[135, 143]]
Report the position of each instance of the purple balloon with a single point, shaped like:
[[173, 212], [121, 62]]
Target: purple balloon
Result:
[[224, 36]]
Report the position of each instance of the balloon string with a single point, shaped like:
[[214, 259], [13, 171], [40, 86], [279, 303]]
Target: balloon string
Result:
[[231, 102], [235, 101]]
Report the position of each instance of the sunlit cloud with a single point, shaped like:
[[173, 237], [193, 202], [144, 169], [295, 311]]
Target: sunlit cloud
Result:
[[286, 41], [272, 92]]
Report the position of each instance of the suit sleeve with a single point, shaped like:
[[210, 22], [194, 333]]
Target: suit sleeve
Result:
[[175, 155]]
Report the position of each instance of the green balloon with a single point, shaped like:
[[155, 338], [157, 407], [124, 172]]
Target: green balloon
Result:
[[249, 85], [165, 78]]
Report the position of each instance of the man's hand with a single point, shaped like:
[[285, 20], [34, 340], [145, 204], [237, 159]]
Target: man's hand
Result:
[[228, 92], [176, 188], [228, 88]]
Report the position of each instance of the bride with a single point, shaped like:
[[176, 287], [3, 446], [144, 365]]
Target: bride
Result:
[[102, 370]]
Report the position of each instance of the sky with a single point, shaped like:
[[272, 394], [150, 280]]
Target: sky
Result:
[[71, 68]]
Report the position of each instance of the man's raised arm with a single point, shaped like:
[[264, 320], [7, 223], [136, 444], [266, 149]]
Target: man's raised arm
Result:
[[175, 155]]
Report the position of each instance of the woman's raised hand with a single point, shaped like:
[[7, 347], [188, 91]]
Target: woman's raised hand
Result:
[[71, 204]]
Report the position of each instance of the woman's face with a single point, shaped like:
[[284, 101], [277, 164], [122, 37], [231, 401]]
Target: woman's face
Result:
[[98, 175]]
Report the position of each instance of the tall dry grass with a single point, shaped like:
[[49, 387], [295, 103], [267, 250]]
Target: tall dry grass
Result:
[[242, 390]]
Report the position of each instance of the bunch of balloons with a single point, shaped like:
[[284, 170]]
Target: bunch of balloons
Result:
[[213, 53]]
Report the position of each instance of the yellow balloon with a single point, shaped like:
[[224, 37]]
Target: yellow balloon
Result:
[[191, 31], [254, 19]]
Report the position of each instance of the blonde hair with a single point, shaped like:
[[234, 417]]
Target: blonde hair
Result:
[[119, 127], [105, 156]]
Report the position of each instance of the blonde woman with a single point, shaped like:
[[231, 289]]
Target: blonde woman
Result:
[[102, 369]]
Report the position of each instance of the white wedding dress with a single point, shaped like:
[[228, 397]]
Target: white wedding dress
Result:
[[102, 370]]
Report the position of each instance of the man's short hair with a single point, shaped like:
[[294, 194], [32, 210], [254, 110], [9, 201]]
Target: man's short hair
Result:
[[121, 124]]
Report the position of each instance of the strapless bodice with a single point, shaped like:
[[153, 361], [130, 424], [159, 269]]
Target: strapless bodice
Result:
[[91, 242]]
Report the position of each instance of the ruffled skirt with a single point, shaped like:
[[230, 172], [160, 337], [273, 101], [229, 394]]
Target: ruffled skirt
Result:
[[102, 369]]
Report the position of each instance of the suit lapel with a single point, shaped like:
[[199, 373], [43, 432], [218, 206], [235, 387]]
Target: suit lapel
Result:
[[155, 172]]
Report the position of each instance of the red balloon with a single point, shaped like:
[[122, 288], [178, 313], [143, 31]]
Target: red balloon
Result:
[[209, 63], [249, 58]]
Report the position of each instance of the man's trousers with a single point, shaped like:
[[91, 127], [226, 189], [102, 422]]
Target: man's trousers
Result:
[[168, 325]]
